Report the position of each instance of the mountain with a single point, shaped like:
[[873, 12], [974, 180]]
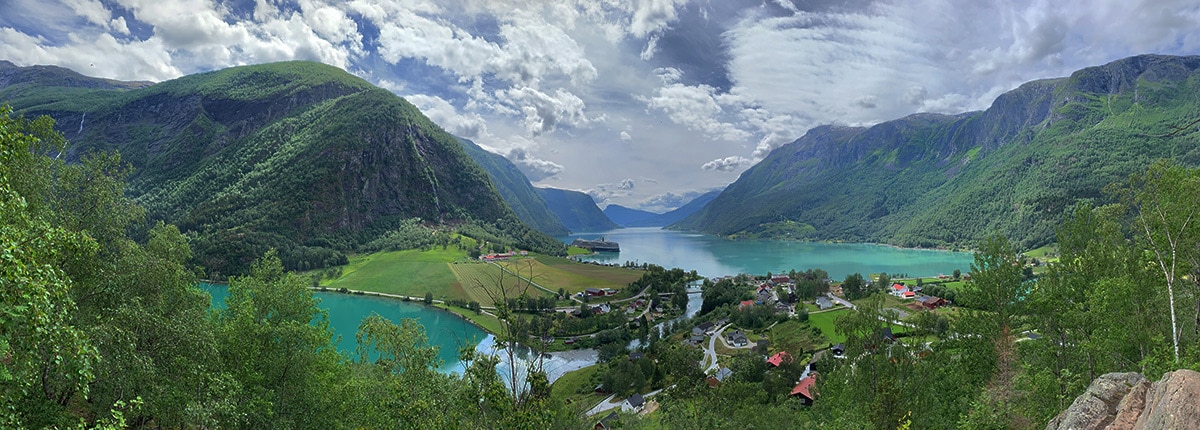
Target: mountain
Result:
[[516, 190], [576, 210], [298, 156], [628, 217], [662, 220], [945, 180]]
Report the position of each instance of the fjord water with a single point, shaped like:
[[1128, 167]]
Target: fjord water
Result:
[[445, 330], [714, 256]]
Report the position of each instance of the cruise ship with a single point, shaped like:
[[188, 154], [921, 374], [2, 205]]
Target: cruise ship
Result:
[[599, 245]]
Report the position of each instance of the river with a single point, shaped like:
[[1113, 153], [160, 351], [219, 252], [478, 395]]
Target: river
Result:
[[713, 256]]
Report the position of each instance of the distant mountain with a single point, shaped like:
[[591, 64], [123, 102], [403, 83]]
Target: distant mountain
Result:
[[516, 190], [679, 213], [628, 217], [576, 210], [936, 180], [298, 156]]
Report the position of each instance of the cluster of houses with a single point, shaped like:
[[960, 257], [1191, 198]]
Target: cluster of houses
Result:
[[597, 292], [905, 292], [502, 256]]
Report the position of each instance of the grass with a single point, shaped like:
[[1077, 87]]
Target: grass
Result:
[[409, 272], [554, 273], [824, 322], [569, 385], [575, 250], [795, 336], [489, 323], [478, 278]]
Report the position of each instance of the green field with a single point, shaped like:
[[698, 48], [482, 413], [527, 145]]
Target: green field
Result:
[[554, 273], [824, 321], [487, 322], [569, 384], [479, 278], [794, 336], [410, 272]]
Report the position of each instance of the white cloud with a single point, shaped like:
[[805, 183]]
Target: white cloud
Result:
[[625, 136], [470, 125], [534, 168], [696, 107], [727, 164], [652, 15]]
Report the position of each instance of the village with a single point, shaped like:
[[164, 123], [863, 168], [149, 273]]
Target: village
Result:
[[782, 321]]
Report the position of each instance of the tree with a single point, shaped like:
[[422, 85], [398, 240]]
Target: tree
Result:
[[47, 359], [854, 286], [957, 274], [1163, 201], [428, 298], [276, 343]]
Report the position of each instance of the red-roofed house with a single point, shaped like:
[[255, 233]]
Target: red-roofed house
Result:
[[909, 294], [898, 290], [779, 359], [746, 303], [780, 279], [806, 390]]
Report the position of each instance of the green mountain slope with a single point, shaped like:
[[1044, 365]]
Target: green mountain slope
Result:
[[516, 190], [576, 210], [938, 180], [298, 156]]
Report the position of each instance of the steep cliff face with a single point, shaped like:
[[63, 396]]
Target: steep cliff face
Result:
[[934, 180], [516, 190], [298, 156], [576, 210], [1127, 401]]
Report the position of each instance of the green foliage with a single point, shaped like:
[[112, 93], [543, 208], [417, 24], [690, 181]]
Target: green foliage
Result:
[[516, 190], [299, 157], [576, 210]]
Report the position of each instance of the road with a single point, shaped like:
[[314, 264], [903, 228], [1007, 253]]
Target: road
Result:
[[710, 353], [610, 403]]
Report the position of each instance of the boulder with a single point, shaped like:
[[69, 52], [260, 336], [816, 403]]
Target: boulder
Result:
[[1125, 401]]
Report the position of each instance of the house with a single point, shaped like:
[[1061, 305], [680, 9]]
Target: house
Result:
[[824, 303], [806, 390], [594, 292], [780, 358], [783, 307], [931, 302], [635, 356], [605, 422], [762, 345], [908, 294], [704, 329], [765, 295], [898, 290], [746, 304], [887, 335], [721, 322], [719, 377], [696, 339], [838, 350], [634, 403], [780, 279], [737, 338]]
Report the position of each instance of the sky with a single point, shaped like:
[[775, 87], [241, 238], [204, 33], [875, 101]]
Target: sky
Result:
[[643, 103]]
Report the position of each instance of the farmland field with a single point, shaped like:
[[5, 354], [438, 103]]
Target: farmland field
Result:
[[409, 272]]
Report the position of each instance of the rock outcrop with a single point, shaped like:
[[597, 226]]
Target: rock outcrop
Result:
[[1121, 401]]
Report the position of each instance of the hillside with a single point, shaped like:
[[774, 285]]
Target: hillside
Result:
[[576, 210], [627, 217], [516, 190], [298, 156], [937, 180]]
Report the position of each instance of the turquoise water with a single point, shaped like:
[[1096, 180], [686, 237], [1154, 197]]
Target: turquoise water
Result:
[[445, 330], [714, 256]]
